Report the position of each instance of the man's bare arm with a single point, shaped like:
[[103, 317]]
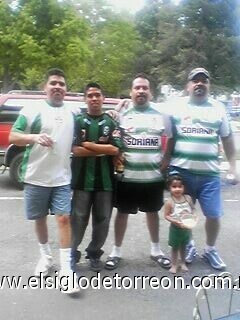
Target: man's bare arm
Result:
[[167, 154], [230, 152], [91, 149], [107, 149], [22, 139]]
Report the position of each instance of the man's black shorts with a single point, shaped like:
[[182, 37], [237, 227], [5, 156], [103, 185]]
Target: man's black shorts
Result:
[[132, 197]]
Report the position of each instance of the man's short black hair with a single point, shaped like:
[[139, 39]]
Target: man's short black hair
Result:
[[141, 75], [92, 85], [54, 72]]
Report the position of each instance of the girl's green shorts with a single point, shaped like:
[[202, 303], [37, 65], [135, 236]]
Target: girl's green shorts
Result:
[[178, 237]]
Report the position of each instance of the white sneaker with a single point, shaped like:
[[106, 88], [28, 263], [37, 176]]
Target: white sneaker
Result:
[[68, 282], [43, 266]]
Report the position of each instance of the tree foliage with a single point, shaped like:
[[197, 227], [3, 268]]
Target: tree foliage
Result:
[[91, 42], [114, 44], [195, 33], [40, 34]]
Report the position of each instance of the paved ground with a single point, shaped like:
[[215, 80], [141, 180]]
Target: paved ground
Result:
[[19, 253]]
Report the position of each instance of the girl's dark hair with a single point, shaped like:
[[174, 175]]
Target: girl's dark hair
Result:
[[173, 177]]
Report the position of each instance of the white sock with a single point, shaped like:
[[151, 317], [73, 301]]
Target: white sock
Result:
[[209, 248], [116, 252], [45, 249], [65, 258], [156, 249]]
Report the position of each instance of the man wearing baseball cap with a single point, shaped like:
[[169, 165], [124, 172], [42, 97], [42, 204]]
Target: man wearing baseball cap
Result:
[[200, 122], [196, 72]]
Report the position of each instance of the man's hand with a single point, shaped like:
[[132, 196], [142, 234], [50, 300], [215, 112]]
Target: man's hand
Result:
[[232, 178], [118, 160], [113, 114], [122, 105], [43, 139], [164, 165]]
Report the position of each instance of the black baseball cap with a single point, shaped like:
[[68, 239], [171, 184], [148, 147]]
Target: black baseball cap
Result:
[[197, 71]]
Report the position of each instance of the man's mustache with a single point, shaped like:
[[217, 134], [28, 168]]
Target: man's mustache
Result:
[[199, 90]]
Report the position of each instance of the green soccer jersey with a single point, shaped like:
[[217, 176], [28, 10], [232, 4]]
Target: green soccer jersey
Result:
[[142, 132], [94, 173], [198, 129]]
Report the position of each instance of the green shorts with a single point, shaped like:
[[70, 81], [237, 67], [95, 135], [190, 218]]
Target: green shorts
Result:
[[178, 237]]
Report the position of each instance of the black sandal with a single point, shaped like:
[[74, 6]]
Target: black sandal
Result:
[[112, 263], [163, 261]]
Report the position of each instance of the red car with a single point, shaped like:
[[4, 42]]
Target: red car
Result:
[[10, 105]]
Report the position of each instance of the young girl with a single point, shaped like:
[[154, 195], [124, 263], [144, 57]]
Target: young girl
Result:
[[177, 205]]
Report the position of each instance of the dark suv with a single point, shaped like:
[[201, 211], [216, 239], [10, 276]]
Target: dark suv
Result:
[[10, 105]]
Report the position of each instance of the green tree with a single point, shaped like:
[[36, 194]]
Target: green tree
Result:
[[217, 22], [38, 35], [195, 33], [114, 43], [88, 41], [115, 48], [8, 41]]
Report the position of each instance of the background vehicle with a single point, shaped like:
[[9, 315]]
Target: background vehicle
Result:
[[10, 105], [232, 109]]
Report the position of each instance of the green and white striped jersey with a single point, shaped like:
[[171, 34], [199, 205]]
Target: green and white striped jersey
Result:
[[142, 131], [45, 166], [198, 130]]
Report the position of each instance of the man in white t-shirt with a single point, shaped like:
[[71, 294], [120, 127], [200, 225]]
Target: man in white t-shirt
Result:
[[46, 129]]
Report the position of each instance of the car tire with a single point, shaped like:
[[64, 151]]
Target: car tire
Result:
[[15, 170]]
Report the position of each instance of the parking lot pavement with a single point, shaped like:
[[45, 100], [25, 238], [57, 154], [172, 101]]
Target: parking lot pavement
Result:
[[19, 254], [225, 166]]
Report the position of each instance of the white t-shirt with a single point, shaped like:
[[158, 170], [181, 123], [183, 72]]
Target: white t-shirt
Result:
[[46, 166]]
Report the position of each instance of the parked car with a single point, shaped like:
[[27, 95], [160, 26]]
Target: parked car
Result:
[[10, 105], [232, 109], [235, 111]]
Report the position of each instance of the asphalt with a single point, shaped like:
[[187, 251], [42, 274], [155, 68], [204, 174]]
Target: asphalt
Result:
[[156, 294]]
